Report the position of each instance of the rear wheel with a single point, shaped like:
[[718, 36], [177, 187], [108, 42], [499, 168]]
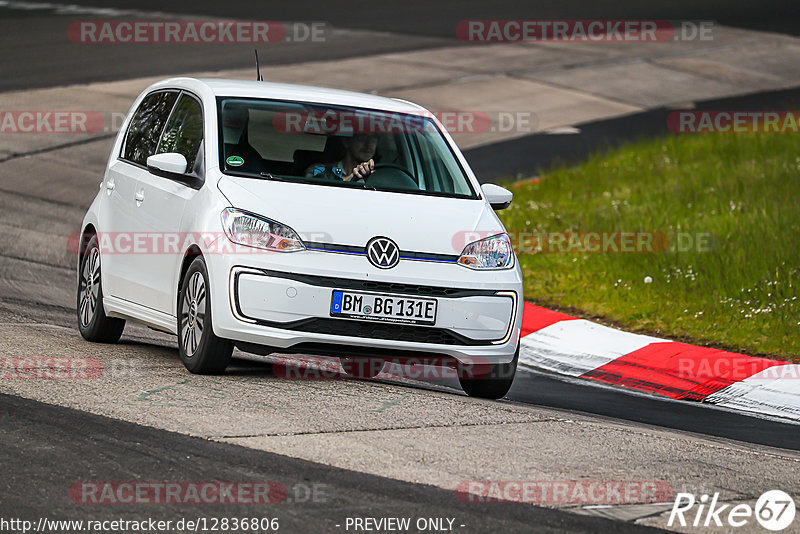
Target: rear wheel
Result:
[[201, 351], [93, 322], [488, 381]]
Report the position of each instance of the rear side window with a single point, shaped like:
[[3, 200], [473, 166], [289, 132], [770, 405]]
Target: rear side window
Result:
[[146, 126], [184, 131]]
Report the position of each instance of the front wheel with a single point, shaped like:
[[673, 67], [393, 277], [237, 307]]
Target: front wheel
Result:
[[488, 381], [201, 351], [93, 322]]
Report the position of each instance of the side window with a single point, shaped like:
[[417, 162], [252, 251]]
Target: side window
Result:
[[184, 131], [145, 128]]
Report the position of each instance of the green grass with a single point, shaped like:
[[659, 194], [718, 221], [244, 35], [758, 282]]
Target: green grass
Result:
[[743, 190]]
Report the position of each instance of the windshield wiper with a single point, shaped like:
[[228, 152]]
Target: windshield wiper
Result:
[[278, 178], [245, 174], [271, 176]]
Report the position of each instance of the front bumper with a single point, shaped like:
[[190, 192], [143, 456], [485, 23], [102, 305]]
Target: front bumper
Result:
[[285, 310]]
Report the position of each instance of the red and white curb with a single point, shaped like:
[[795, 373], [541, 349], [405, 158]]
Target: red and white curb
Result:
[[562, 344]]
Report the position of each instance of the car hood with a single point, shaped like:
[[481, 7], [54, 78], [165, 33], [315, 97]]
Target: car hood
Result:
[[344, 216]]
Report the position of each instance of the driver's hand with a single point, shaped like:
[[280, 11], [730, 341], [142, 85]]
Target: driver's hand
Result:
[[362, 170]]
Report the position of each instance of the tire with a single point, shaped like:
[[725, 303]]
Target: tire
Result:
[[488, 381], [93, 323], [202, 352], [361, 367]]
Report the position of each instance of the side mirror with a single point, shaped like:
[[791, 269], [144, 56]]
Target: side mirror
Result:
[[499, 197], [169, 162], [172, 165]]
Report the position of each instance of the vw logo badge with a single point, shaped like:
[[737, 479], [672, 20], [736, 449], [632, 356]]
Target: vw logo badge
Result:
[[382, 252]]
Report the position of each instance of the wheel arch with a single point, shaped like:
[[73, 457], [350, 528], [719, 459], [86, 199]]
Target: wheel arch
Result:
[[191, 253], [87, 233]]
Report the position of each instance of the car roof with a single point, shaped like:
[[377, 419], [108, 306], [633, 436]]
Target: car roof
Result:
[[285, 91]]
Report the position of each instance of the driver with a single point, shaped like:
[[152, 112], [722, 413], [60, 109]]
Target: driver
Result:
[[356, 165]]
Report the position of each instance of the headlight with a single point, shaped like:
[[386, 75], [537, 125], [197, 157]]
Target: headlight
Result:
[[488, 254], [254, 231]]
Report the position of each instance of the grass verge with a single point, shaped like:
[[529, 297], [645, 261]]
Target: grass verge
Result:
[[721, 216]]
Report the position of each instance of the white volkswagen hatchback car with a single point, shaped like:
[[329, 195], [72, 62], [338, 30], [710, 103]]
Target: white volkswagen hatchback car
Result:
[[292, 219]]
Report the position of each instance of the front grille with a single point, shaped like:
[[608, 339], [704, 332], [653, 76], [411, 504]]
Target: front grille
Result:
[[393, 332], [412, 289], [404, 254]]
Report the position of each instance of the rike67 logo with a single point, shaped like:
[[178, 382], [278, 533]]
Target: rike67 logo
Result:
[[774, 510]]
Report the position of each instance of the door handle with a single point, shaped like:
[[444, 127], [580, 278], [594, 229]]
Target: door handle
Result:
[[110, 185], [139, 197]]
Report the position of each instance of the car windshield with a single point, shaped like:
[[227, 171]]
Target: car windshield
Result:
[[338, 146]]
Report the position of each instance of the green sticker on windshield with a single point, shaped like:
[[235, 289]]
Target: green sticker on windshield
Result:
[[234, 161]]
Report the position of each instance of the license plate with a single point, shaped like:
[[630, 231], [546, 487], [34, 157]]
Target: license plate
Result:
[[386, 308]]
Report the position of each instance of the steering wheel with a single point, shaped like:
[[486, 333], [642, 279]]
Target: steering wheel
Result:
[[383, 176]]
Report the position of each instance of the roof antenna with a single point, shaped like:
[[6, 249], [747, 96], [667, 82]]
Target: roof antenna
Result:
[[258, 70]]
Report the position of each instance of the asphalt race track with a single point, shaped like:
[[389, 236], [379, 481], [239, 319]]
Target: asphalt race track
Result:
[[114, 450], [160, 423], [32, 53]]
